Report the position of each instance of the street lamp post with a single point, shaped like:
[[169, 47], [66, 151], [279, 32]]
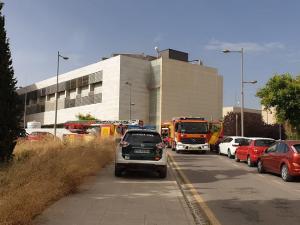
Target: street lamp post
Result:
[[25, 109], [56, 95], [242, 84], [236, 124], [130, 98]]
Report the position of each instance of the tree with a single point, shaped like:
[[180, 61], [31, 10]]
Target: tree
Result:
[[254, 126], [85, 117], [10, 104], [283, 93]]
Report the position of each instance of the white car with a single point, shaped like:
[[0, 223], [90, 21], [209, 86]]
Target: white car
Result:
[[230, 144], [141, 149]]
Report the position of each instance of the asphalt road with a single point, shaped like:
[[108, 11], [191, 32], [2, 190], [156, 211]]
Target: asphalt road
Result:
[[237, 194], [135, 199]]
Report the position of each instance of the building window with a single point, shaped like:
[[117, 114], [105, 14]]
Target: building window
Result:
[[97, 88], [61, 95], [72, 94], [51, 97], [84, 91], [42, 99]]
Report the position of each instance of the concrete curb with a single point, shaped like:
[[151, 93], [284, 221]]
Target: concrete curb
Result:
[[198, 213]]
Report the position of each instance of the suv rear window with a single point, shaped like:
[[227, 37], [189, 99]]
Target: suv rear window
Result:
[[139, 138], [297, 147], [264, 143]]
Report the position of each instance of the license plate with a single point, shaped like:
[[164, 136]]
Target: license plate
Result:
[[143, 151]]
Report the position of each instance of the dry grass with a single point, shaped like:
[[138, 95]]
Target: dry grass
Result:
[[44, 172]]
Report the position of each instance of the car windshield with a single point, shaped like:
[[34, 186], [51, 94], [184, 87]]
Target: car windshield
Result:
[[193, 128], [139, 138], [264, 143], [297, 147], [241, 141]]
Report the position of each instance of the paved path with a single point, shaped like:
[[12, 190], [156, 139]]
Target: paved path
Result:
[[237, 194], [136, 199]]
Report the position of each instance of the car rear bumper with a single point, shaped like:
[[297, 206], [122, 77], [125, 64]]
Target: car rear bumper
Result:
[[120, 160], [295, 169], [192, 147], [140, 166], [254, 158]]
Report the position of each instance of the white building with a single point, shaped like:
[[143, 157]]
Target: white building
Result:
[[161, 88]]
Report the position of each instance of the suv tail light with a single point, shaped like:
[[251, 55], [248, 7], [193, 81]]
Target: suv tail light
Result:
[[124, 144]]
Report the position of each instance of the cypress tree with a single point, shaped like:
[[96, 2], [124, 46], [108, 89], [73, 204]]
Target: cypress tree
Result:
[[10, 103]]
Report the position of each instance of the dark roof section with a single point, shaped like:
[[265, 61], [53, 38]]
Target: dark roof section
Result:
[[167, 53], [174, 54]]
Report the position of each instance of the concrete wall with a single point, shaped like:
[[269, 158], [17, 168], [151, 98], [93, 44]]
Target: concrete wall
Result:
[[155, 93], [137, 72], [190, 90], [236, 109]]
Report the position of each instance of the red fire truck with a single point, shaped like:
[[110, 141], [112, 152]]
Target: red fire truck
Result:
[[190, 134]]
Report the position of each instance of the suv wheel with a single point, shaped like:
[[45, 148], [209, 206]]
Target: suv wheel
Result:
[[229, 154], [178, 151], [249, 162], [118, 171], [163, 172], [260, 167], [285, 173]]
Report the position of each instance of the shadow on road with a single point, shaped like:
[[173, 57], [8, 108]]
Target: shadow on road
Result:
[[141, 175], [276, 211]]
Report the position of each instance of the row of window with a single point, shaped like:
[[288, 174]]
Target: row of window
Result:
[[65, 103], [84, 81]]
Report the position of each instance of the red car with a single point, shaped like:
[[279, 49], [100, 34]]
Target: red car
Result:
[[39, 136], [252, 149], [281, 158]]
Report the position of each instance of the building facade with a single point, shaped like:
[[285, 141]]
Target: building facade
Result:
[[153, 89], [236, 109]]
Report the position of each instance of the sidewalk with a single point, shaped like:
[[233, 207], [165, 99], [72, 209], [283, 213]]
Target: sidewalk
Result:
[[136, 199]]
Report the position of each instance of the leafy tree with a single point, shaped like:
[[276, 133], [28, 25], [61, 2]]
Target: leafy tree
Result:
[[85, 117], [253, 124], [11, 106], [283, 93]]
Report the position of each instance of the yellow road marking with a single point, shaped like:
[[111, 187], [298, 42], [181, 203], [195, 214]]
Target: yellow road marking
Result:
[[209, 214]]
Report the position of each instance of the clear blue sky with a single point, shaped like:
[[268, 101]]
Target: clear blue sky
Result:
[[86, 30]]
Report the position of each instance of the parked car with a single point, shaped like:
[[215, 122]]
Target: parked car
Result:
[[39, 136], [283, 158], [229, 145], [252, 149], [215, 147], [141, 149]]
